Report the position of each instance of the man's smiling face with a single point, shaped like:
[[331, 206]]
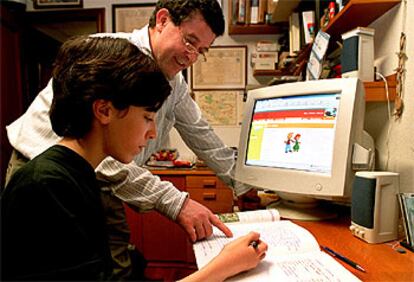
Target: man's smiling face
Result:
[[177, 47]]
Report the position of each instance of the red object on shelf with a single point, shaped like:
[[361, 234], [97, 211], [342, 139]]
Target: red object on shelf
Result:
[[337, 71], [331, 10]]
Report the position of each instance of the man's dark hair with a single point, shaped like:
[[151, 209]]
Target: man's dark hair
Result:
[[91, 68], [182, 9]]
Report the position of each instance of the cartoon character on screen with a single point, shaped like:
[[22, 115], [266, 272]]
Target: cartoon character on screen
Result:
[[296, 146], [288, 142]]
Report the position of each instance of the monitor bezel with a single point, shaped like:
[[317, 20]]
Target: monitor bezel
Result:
[[349, 124]]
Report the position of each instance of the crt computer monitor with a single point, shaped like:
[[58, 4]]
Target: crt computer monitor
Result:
[[305, 140]]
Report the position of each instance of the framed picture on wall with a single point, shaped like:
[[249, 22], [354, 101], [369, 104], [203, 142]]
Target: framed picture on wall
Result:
[[127, 17], [221, 107], [38, 4], [225, 67]]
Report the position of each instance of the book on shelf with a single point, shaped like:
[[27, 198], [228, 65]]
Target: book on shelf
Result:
[[241, 11], [262, 11], [267, 46], [265, 60], [254, 12], [248, 11], [294, 34], [308, 20], [293, 252]]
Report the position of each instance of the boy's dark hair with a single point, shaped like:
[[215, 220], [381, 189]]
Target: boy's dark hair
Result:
[[91, 68], [182, 9]]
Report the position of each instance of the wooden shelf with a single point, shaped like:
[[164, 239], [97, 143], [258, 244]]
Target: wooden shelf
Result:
[[358, 13], [375, 91], [268, 73], [240, 29]]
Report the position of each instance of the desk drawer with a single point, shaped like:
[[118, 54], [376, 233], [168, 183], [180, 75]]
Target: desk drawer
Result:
[[217, 200], [209, 182]]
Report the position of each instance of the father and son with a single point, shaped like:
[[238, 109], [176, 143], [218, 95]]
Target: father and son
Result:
[[111, 103]]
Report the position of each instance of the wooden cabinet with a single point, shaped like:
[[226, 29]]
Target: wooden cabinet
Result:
[[211, 192], [164, 243]]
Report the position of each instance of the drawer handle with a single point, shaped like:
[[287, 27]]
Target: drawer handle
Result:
[[209, 196], [209, 183]]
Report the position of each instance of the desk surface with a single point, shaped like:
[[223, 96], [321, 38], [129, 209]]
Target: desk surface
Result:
[[381, 261]]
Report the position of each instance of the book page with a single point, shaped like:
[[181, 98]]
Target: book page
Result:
[[313, 266], [282, 237], [250, 216], [293, 254]]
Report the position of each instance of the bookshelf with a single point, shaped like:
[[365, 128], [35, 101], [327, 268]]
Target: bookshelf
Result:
[[358, 13], [362, 13], [240, 29], [250, 29]]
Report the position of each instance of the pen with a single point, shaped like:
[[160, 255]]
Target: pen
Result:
[[254, 244], [344, 259]]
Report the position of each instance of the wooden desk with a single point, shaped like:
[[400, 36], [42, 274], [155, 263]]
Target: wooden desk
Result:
[[170, 255], [164, 243], [381, 262]]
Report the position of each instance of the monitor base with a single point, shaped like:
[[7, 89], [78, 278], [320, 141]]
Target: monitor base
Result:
[[314, 212]]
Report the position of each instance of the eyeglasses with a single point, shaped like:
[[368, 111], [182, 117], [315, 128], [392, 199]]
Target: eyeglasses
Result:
[[191, 48]]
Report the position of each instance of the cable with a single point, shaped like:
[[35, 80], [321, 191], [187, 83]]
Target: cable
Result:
[[389, 118], [386, 93]]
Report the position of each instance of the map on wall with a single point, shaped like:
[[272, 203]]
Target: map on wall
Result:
[[221, 108]]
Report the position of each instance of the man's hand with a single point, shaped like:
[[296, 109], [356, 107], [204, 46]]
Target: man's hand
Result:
[[249, 201], [198, 221]]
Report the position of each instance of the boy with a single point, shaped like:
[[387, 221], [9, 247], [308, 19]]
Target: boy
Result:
[[178, 32], [106, 94]]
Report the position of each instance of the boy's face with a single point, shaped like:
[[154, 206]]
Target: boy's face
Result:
[[128, 133], [175, 48]]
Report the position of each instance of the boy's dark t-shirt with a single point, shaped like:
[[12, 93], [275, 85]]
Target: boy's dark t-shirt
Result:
[[53, 224]]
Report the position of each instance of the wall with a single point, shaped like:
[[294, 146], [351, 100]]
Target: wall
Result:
[[393, 138], [228, 134]]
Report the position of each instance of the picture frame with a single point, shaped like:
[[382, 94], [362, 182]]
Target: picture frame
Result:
[[225, 68], [127, 17], [48, 4], [221, 108], [406, 201]]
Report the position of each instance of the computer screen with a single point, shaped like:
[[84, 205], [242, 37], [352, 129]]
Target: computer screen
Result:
[[305, 140]]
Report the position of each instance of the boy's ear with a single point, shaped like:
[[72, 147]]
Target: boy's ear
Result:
[[102, 110], [161, 19]]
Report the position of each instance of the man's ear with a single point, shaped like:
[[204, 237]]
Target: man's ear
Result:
[[102, 110], [161, 19]]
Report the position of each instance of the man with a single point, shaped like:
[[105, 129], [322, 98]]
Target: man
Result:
[[179, 31]]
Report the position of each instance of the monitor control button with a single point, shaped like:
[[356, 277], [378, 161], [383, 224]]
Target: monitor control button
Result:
[[318, 187]]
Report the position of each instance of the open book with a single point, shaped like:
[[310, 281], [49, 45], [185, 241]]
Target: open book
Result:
[[293, 253]]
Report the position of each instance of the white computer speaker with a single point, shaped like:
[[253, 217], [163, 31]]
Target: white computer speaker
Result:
[[374, 207], [357, 58]]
